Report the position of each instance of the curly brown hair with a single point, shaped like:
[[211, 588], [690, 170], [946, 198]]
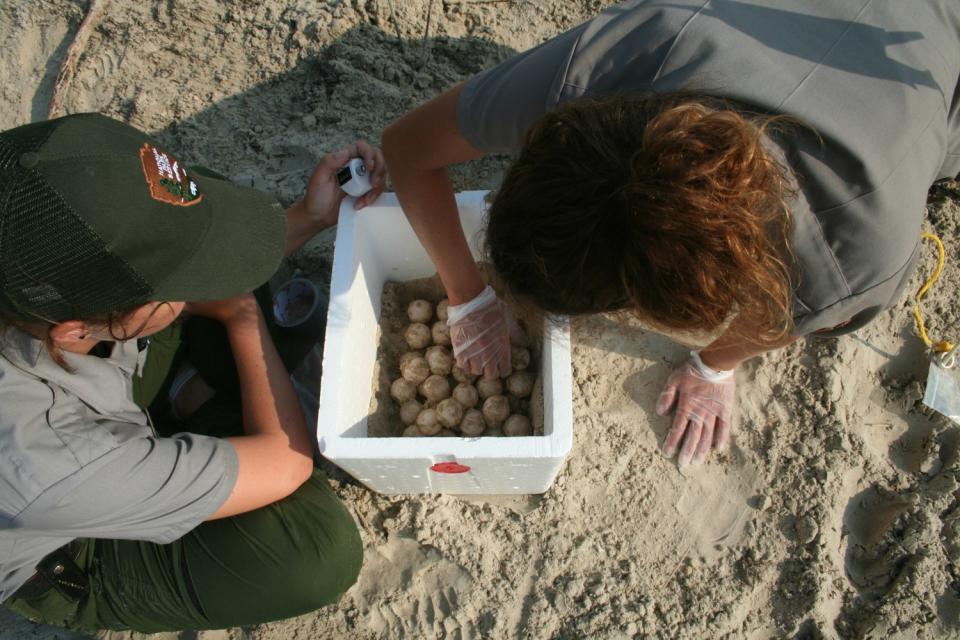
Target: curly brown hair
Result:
[[666, 206]]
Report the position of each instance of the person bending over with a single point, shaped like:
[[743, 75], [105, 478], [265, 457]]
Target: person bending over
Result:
[[754, 169], [112, 515]]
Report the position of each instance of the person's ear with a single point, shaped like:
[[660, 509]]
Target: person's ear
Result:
[[70, 332]]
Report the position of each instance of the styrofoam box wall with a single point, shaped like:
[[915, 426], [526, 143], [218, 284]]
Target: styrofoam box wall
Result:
[[377, 245]]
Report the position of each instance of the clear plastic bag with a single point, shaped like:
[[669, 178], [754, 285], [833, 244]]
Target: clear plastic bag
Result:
[[943, 386]]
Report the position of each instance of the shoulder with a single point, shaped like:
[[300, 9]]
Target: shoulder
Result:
[[620, 49], [47, 429]]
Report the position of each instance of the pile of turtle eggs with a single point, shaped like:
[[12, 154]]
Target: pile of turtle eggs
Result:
[[438, 398]]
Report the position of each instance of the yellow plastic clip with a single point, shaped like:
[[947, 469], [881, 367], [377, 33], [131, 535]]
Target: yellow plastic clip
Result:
[[944, 348]]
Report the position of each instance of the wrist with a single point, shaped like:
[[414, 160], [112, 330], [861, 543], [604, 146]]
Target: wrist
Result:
[[461, 293], [244, 312], [709, 372], [301, 225]]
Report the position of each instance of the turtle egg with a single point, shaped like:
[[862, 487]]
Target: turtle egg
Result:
[[418, 336], [519, 358], [441, 333], [517, 425], [420, 311], [487, 387], [442, 309], [439, 360], [473, 423], [435, 388], [466, 395], [409, 411], [449, 412], [415, 369], [495, 410], [520, 383], [427, 422], [462, 375], [403, 391]]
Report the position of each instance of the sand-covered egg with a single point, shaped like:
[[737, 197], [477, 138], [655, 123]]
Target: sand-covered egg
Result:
[[435, 388], [495, 410], [403, 391], [418, 336], [517, 425], [472, 423], [439, 360], [414, 368], [520, 383], [449, 412], [420, 311], [466, 395]]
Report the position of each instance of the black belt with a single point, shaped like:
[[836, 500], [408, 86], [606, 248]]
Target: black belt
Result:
[[58, 570]]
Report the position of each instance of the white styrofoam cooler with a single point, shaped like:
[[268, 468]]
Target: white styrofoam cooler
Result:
[[377, 245]]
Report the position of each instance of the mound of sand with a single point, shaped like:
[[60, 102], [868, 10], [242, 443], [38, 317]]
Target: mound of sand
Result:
[[834, 514]]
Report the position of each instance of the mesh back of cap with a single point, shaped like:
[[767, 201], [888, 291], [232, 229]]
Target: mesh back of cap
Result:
[[53, 265]]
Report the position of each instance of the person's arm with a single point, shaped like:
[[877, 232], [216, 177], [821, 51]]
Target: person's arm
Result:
[[320, 206], [703, 391], [418, 148], [276, 453], [730, 349]]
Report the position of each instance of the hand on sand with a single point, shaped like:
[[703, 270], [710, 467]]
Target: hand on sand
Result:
[[704, 406]]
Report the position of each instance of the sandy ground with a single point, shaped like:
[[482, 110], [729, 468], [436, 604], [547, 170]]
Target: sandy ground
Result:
[[835, 513]]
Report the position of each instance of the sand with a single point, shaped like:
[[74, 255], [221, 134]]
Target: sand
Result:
[[835, 512]]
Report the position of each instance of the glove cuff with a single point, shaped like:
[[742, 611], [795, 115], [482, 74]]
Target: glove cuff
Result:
[[707, 372], [457, 312]]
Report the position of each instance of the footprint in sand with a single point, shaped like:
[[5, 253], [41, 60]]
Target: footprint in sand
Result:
[[408, 590]]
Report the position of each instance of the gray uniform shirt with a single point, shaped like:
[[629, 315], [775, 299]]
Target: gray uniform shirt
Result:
[[78, 459], [877, 79]]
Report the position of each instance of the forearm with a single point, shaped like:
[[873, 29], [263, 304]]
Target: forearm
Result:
[[300, 227], [276, 454], [428, 201], [418, 148], [730, 349]]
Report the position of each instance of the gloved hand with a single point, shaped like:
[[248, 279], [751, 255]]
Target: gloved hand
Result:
[[704, 399], [480, 333]]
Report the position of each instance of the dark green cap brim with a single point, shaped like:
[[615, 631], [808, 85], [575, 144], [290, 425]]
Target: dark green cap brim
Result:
[[241, 248]]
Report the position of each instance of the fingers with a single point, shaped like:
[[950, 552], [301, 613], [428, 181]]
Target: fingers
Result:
[[675, 435], [476, 366], [372, 159], [505, 369], [667, 398], [723, 434], [706, 442], [332, 162], [691, 440]]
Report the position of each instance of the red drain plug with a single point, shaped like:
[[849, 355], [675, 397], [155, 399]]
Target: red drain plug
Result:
[[450, 467]]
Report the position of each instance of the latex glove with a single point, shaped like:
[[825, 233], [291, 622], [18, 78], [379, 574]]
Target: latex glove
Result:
[[704, 401], [480, 333]]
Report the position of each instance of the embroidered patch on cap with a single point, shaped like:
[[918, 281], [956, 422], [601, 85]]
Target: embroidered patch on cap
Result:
[[167, 179]]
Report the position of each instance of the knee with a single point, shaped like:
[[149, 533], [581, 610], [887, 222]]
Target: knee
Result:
[[328, 554]]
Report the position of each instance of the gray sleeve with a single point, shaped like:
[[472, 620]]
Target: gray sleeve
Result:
[[855, 311], [497, 106], [154, 489]]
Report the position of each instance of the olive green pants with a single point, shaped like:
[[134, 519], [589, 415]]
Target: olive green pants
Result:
[[283, 560]]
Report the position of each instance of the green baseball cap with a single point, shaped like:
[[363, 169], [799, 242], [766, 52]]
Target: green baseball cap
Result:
[[96, 216]]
